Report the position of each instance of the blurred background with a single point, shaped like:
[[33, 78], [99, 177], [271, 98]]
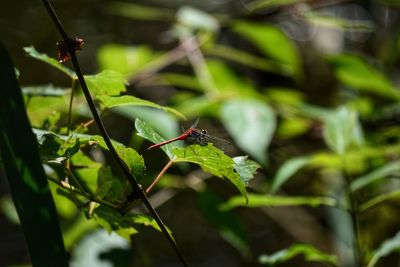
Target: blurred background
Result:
[[268, 76]]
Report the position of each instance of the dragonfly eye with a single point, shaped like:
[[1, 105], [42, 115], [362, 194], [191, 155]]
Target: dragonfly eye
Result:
[[203, 131]]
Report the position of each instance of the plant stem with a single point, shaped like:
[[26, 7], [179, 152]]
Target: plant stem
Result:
[[159, 175], [131, 178], [353, 213]]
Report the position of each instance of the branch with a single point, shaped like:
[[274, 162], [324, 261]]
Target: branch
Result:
[[131, 178]]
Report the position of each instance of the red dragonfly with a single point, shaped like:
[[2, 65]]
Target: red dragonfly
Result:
[[191, 136]]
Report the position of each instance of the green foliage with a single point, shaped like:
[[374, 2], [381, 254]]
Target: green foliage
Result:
[[309, 252], [251, 123], [107, 82]]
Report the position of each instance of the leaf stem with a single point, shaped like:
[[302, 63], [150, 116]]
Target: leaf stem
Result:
[[131, 178]]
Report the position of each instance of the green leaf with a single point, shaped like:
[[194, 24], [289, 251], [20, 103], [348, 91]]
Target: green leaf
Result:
[[45, 90], [264, 4], [128, 100], [257, 200], [272, 42], [111, 220], [341, 130], [287, 170], [246, 168], [31, 51], [309, 252], [127, 60], [196, 19], [251, 123], [391, 168], [358, 74], [110, 187], [53, 149], [140, 12], [387, 247], [379, 199], [25, 174], [145, 131], [106, 83], [132, 159], [164, 123], [227, 223], [214, 161]]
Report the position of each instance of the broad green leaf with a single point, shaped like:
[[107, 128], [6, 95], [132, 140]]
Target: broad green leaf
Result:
[[65, 207], [246, 168], [341, 130], [45, 90], [214, 161], [26, 177], [196, 19], [251, 123], [127, 60], [145, 131], [358, 74], [110, 187], [54, 150], [272, 42], [106, 83], [309, 252], [227, 223], [132, 159], [392, 168], [128, 100], [287, 170], [89, 173], [387, 247], [112, 220], [40, 108], [31, 51], [257, 200], [162, 122]]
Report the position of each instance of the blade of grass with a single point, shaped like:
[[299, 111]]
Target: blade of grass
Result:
[[26, 177]]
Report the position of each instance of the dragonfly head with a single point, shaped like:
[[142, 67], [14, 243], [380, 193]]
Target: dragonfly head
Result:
[[203, 131]]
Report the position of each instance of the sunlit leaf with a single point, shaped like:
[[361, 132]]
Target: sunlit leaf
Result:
[[132, 159], [388, 169], [196, 19], [214, 161], [387, 247], [309, 252], [126, 60], [251, 124], [106, 83], [341, 129], [128, 100], [246, 168], [257, 200], [31, 51], [358, 74], [272, 42], [40, 108], [145, 131], [110, 187], [287, 170]]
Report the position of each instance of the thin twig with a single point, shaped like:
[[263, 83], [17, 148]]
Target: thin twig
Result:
[[131, 178], [166, 167]]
